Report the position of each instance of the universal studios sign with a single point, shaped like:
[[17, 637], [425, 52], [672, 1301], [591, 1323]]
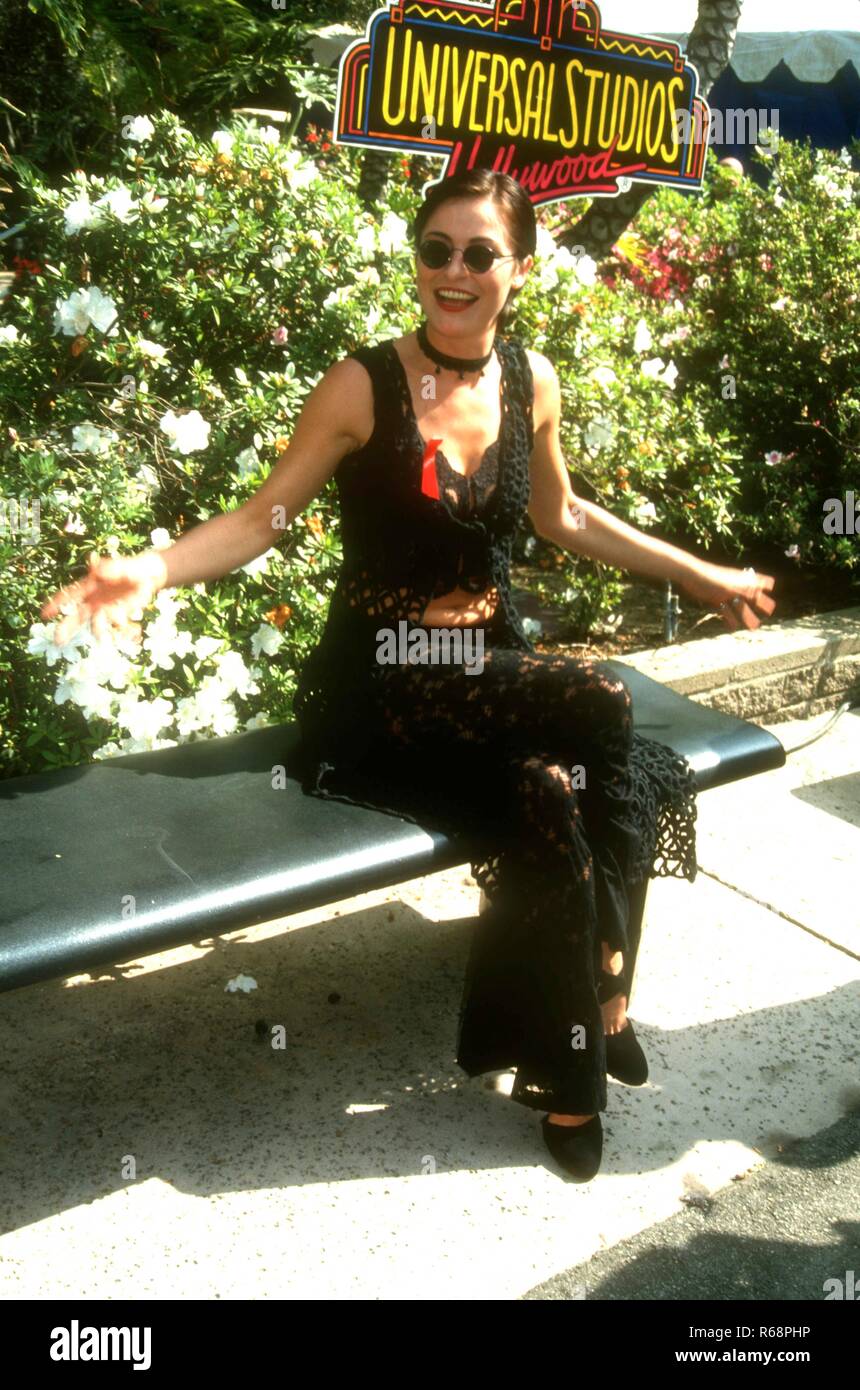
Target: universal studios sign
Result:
[[538, 89]]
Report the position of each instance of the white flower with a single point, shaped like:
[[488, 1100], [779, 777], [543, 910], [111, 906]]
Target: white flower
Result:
[[585, 269], [223, 141], [724, 362], [186, 432], [248, 461], [8, 333], [140, 129], [87, 438], [773, 457], [108, 750], [658, 370], [207, 709], [301, 171], [366, 242], [164, 641], [793, 553], [338, 297], [597, 433], [547, 245], [840, 191], [42, 642], [677, 335], [603, 376], [260, 563], [104, 664], [702, 282], [266, 135], [153, 350], [368, 276], [75, 526], [257, 721], [143, 718], [243, 982], [670, 374], [234, 675], [266, 639], [144, 482], [646, 512], [779, 303], [204, 647], [80, 214], [652, 367], [152, 202], [81, 689], [392, 233], [642, 339], [160, 538], [118, 201], [84, 307]]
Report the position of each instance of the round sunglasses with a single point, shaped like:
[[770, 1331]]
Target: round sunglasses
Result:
[[435, 253]]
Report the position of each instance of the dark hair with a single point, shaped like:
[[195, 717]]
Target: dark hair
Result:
[[513, 203]]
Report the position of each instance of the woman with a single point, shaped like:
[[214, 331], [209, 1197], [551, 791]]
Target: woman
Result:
[[534, 750]]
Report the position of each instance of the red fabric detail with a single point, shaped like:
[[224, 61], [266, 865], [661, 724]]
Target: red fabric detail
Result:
[[429, 478]]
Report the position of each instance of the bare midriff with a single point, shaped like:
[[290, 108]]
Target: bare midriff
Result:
[[459, 608]]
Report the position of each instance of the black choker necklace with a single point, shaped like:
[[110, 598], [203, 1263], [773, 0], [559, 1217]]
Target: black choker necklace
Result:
[[455, 364]]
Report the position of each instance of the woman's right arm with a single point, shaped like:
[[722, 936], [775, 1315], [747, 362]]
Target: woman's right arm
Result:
[[337, 416]]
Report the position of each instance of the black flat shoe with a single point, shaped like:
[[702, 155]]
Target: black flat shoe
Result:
[[625, 1059], [577, 1149]]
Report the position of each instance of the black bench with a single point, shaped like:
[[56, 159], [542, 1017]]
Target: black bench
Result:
[[134, 854]]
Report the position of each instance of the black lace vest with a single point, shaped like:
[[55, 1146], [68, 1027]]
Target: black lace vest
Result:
[[403, 547]]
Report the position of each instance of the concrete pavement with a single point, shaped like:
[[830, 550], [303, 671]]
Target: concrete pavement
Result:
[[154, 1144]]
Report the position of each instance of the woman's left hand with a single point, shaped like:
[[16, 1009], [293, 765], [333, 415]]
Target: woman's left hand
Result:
[[738, 596]]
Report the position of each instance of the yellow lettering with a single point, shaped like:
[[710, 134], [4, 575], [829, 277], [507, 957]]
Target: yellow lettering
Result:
[[496, 93], [645, 86], [480, 77], [659, 91], [424, 84], [604, 137], [404, 73], [568, 142], [592, 74], [518, 63], [534, 101], [461, 88], [671, 154], [630, 88], [546, 135]]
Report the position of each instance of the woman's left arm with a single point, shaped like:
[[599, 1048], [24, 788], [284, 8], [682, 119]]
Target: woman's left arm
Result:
[[560, 516]]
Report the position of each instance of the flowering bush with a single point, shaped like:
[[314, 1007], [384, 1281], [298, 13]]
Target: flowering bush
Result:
[[710, 373], [155, 353], [171, 316]]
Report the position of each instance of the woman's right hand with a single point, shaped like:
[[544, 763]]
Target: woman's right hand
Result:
[[114, 590]]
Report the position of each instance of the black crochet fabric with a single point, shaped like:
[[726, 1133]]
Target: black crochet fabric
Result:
[[490, 752]]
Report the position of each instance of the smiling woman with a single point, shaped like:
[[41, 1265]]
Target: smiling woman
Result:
[[486, 746]]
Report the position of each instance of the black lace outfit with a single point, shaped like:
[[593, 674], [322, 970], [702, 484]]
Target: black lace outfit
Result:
[[534, 752]]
